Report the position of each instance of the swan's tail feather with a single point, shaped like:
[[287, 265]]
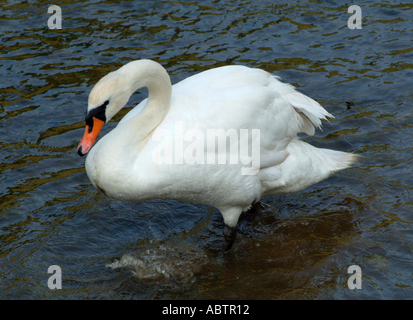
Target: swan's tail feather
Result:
[[326, 160], [335, 161], [308, 165]]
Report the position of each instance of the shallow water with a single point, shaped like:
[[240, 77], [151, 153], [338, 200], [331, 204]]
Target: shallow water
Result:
[[300, 246]]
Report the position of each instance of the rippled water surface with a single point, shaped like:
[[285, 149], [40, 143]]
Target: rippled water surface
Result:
[[299, 247]]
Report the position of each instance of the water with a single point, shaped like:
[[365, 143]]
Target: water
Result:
[[300, 247]]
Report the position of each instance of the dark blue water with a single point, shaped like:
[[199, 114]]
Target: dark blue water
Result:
[[300, 247]]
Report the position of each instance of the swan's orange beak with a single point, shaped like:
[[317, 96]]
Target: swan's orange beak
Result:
[[89, 136]]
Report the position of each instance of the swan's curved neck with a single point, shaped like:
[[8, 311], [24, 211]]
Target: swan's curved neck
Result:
[[150, 74]]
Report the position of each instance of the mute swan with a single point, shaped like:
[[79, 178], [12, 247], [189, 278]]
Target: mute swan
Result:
[[126, 164]]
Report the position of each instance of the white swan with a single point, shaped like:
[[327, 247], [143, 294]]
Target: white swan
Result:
[[125, 163]]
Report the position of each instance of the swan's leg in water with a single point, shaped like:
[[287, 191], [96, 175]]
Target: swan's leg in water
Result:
[[230, 234]]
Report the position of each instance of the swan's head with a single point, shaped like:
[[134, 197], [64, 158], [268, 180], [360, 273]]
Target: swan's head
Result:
[[112, 92], [107, 97]]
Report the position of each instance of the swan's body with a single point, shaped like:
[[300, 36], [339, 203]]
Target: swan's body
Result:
[[122, 163]]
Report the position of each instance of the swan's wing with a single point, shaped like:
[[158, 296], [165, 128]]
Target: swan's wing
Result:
[[234, 108], [233, 76]]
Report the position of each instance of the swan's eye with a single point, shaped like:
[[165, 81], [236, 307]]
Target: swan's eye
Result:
[[99, 113]]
